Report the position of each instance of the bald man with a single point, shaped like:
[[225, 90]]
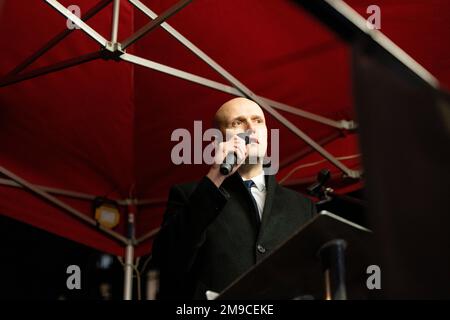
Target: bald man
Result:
[[216, 229]]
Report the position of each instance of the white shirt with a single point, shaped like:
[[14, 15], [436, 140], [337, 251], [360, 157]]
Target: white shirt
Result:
[[259, 192]]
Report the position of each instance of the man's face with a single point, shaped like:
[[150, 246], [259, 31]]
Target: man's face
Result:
[[243, 115]]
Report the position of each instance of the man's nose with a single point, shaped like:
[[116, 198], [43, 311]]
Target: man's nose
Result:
[[251, 127]]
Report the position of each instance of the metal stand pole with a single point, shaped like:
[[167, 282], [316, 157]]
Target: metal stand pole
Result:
[[128, 281], [129, 256], [332, 255], [115, 21]]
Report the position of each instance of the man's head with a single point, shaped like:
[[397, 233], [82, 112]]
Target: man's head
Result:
[[243, 115]]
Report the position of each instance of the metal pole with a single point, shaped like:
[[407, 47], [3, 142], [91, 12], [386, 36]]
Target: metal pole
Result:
[[155, 23], [128, 268], [81, 195], [151, 202], [246, 92], [332, 255], [54, 41], [115, 21], [341, 124], [349, 24], [85, 27], [62, 192], [61, 205], [148, 235], [129, 254], [49, 69]]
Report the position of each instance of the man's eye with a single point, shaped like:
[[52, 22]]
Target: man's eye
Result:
[[236, 123]]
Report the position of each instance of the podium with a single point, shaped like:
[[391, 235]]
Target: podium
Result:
[[327, 258]]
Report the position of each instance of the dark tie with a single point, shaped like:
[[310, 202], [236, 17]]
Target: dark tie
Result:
[[249, 184]]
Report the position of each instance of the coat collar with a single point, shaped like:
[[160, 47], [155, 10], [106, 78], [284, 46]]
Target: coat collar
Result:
[[260, 181], [235, 182], [271, 185]]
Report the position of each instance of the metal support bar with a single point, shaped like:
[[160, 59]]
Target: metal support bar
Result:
[[85, 27], [155, 23], [49, 69], [151, 202], [350, 25], [128, 273], [342, 124], [129, 254], [61, 205], [115, 21], [61, 192], [250, 95], [148, 235], [58, 38], [81, 195]]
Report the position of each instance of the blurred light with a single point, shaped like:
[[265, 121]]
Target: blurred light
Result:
[[106, 213], [105, 261]]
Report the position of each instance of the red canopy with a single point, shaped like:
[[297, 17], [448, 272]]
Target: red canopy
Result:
[[103, 128]]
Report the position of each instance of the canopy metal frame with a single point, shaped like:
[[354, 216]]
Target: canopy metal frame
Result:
[[112, 49]]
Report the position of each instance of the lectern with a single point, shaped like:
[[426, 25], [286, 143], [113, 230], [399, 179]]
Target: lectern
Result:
[[325, 259]]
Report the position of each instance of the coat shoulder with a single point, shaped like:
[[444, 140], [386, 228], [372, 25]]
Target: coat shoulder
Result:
[[294, 197], [292, 194], [185, 188]]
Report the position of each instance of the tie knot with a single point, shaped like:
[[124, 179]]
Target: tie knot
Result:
[[249, 184]]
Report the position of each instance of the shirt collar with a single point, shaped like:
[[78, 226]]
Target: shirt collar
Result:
[[260, 181]]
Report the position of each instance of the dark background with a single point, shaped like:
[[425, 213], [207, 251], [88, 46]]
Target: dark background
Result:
[[33, 262]]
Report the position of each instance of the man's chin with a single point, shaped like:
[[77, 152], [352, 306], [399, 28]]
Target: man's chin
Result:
[[254, 159]]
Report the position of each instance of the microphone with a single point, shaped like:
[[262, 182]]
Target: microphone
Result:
[[231, 159], [318, 189]]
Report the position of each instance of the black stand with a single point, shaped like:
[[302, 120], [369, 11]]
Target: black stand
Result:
[[332, 257]]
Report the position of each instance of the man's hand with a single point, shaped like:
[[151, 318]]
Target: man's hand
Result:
[[236, 145]]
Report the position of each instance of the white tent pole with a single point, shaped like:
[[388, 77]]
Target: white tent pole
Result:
[[58, 38], [129, 252], [60, 204], [359, 22], [128, 268], [155, 23], [249, 94], [148, 235], [62, 192], [8, 80], [82, 195], [115, 21], [85, 27], [341, 124], [236, 83]]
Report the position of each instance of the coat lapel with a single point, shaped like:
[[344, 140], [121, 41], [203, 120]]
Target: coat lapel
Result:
[[271, 185], [235, 186]]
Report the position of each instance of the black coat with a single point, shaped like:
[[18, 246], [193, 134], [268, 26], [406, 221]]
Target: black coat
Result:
[[211, 236]]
